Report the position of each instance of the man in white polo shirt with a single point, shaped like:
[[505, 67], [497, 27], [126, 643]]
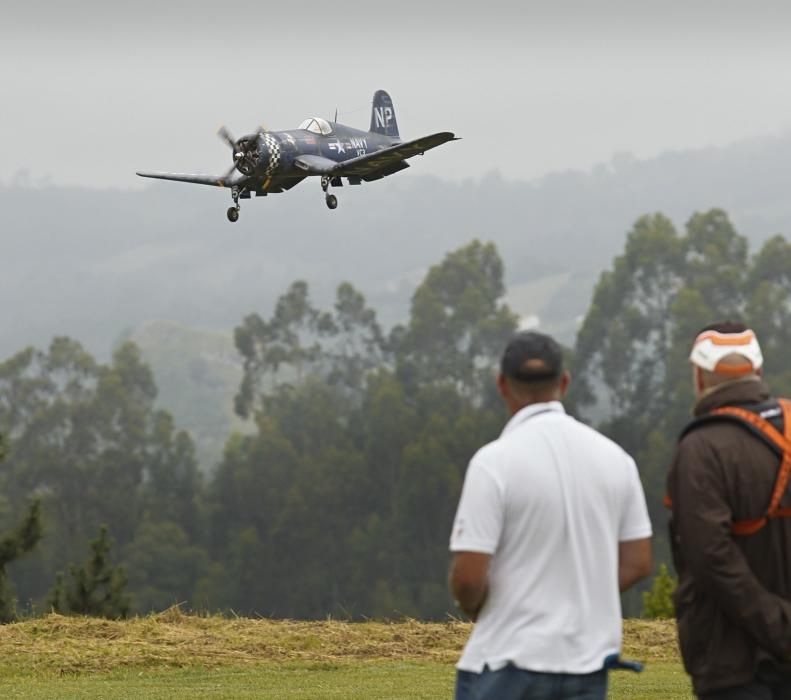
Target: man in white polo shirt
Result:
[[551, 525]]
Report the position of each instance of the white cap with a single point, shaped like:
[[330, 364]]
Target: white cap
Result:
[[710, 347]]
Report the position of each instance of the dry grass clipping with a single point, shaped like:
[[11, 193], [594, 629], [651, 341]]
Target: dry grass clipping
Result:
[[172, 639]]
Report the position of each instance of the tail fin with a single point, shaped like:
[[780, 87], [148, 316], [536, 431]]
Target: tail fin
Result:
[[383, 118]]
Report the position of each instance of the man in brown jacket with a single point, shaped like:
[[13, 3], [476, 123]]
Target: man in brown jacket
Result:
[[733, 602]]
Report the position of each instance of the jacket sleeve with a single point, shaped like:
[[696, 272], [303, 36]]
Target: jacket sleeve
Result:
[[702, 519]]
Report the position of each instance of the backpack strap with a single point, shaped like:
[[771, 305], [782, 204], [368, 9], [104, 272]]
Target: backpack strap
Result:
[[783, 442], [718, 416], [779, 442]]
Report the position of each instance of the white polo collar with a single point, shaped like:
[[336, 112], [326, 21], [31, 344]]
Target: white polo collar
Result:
[[532, 410]]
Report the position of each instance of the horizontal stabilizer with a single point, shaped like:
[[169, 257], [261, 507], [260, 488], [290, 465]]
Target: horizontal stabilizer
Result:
[[212, 180]]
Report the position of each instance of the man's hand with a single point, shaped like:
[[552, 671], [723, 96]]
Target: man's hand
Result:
[[469, 581], [635, 562]]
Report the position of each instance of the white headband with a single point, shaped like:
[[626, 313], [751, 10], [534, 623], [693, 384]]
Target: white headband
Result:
[[711, 347]]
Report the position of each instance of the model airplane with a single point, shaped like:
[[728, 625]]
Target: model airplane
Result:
[[275, 161]]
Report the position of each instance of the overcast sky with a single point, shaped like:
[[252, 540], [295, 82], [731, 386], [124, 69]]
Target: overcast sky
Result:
[[93, 90]]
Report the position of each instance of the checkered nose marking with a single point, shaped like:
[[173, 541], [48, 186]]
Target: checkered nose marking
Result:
[[272, 149]]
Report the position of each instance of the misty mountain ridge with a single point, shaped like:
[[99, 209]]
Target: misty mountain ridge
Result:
[[95, 263]]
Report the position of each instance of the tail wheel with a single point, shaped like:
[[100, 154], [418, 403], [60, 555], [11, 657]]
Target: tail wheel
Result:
[[332, 201], [233, 214]]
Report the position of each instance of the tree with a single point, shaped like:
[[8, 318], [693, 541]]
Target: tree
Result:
[[768, 287], [630, 356], [458, 324], [341, 500], [19, 542], [627, 327], [658, 602], [300, 341], [97, 588], [164, 565], [245, 499], [172, 487], [87, 440]]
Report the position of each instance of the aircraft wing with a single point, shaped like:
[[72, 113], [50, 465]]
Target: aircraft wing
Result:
[[315, 165], [387, 158], [212, 180]]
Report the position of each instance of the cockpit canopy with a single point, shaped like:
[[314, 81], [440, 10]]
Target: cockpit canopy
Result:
[[317, 125]]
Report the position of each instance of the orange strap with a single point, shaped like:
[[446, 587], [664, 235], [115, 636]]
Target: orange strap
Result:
[[783, 442]]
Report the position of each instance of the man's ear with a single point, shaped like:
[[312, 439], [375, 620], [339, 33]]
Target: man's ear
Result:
[[697, 373], [565, 383], [502, 385]]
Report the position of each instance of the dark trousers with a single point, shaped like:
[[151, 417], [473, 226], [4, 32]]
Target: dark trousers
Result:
[[765, 687], [512, 683]]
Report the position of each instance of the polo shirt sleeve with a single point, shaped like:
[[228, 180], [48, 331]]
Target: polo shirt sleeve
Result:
[[635, 523], [479, 517]]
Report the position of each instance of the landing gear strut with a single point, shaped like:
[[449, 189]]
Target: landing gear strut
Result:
[[330, 199], [233, 212]]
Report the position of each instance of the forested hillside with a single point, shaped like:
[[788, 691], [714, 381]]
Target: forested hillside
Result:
[[338, 497]]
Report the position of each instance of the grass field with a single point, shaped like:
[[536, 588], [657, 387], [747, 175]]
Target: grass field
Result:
[[177, 656]]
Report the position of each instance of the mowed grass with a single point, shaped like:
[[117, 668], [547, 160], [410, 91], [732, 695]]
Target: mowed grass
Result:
[[183, 656]]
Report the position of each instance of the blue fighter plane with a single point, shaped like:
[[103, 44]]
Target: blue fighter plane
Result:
[[275, 161]]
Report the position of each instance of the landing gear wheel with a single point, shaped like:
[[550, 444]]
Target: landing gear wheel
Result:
[[233, 214], [332, 201]]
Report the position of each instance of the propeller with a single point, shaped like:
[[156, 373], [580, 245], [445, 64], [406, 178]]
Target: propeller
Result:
[[225, 135], [245, 151]]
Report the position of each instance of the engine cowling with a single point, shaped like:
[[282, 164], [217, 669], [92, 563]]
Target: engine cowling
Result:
[[247, 154]]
